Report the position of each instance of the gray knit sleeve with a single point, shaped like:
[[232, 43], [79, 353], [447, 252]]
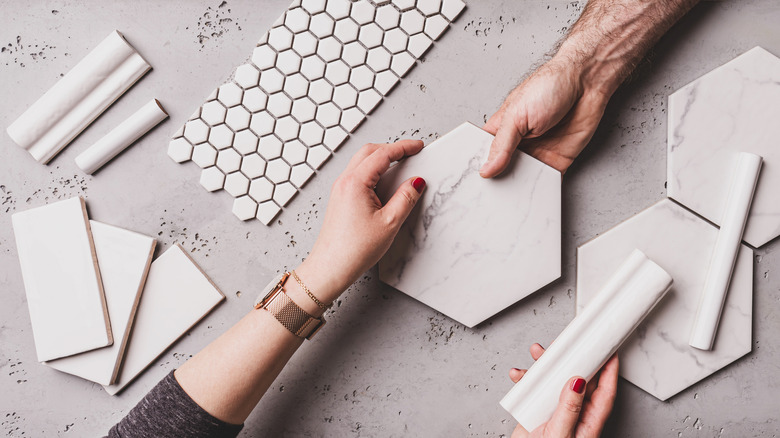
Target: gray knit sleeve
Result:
[[167, 411]]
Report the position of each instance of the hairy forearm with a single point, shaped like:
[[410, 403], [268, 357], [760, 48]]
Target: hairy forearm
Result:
[[612, 36]]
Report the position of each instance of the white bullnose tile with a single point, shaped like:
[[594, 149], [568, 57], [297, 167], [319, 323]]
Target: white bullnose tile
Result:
[[732, 109], [632, 291], [61, 278], [176, 296], [454, 253], [313, 77], [124, 258], [657, 357]]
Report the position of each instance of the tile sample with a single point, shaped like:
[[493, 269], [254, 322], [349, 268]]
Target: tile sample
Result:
[[62, 280], [125, 134], [176, 296], [470, 237], [731, 109], [657, 357], [724, 254], [311, 80], [124, 258], [587, 343], [78, 98]]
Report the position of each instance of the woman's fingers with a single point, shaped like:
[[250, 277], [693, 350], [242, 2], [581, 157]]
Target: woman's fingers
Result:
[[403, 201], [567, 414], [377, 162], [516, 374], [536, 351]]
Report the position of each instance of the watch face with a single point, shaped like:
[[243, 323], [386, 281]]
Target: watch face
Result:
[[268, 289]]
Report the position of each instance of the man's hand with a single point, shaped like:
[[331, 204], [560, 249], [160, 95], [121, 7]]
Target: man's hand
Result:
[[551, 115]]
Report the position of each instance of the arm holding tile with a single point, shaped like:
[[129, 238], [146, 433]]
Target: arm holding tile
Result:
[[231, 374], [554, 112]]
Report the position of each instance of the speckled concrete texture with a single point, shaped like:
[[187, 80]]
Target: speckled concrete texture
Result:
[[385, 365]]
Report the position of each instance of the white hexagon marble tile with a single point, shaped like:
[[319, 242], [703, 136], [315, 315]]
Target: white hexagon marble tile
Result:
[[657, 357], [734, 108], [310, 81], [453, 253]]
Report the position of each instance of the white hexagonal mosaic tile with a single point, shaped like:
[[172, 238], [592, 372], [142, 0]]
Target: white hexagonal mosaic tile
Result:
[[657, 357], [478, 263], [734, 108], [309, 82]]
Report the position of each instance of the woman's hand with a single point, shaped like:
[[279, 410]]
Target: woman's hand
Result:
[[582, 409], [358, 229], [551, 115]]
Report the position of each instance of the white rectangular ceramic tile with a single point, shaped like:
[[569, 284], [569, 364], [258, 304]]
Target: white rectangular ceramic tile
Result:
[[323, 66], [78, 98], [176, 296], [124, 258], [62, 280]]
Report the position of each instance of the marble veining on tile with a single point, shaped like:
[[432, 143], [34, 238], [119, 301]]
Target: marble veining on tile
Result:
[[311, 80], [657, 357], [732, 109], [474, 246]]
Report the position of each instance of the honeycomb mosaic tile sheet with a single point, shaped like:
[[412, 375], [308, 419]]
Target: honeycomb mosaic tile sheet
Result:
[[311, 80]]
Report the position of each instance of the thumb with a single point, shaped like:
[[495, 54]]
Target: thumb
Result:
[[567, 414], [404, 199], [504, 144]]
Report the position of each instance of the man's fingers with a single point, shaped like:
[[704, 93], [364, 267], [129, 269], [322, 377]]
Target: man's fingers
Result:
[[403, 201], [567, 413], [377, 162], [507, 138], [494, 122]]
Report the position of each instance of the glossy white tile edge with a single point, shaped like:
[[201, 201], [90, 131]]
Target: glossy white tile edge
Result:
[[453, 237], [590, 339], [78, 98], [62, 280], [125, 134], [176, 296], [727, 247], [124, 258]]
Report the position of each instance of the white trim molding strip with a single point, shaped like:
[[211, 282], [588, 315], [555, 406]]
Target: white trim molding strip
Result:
[[590, 339], [78, 98]]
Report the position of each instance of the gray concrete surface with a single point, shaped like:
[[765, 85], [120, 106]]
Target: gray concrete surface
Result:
[[385, 365]]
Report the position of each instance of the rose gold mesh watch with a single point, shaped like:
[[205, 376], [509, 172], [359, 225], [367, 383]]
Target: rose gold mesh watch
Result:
[[274, 299]]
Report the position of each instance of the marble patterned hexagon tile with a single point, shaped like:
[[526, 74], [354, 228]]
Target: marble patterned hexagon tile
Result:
[[311, 80]]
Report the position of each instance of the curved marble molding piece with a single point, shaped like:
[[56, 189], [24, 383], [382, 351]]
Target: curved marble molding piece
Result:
[[78, 98], [124, 258], [125, 134], [713, 296], [473, 246], [583, 347], [321, 69], [731, 109], [657, 357]]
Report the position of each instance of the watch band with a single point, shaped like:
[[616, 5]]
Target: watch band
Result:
[[286, 311]]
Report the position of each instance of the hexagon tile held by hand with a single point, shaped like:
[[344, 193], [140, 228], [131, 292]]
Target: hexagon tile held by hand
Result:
[[657, 357], [311, 81], [473, 246], [734, 108]]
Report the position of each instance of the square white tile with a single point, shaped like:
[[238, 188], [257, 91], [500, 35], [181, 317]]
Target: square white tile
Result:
[[124, 258], [61, 277], [176, 296]]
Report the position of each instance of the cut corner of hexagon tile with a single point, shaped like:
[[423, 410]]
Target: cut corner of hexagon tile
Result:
[[300, 174], [267, 211], [657, 358], [709, 124], [180, 150], [445, 261], [244, 208], [284, 192]]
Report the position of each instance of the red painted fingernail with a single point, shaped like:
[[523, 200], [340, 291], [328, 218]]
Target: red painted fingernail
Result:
[[578, 386], [418, 184]]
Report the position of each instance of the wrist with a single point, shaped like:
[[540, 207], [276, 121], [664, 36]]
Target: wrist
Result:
[[319, 283]]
